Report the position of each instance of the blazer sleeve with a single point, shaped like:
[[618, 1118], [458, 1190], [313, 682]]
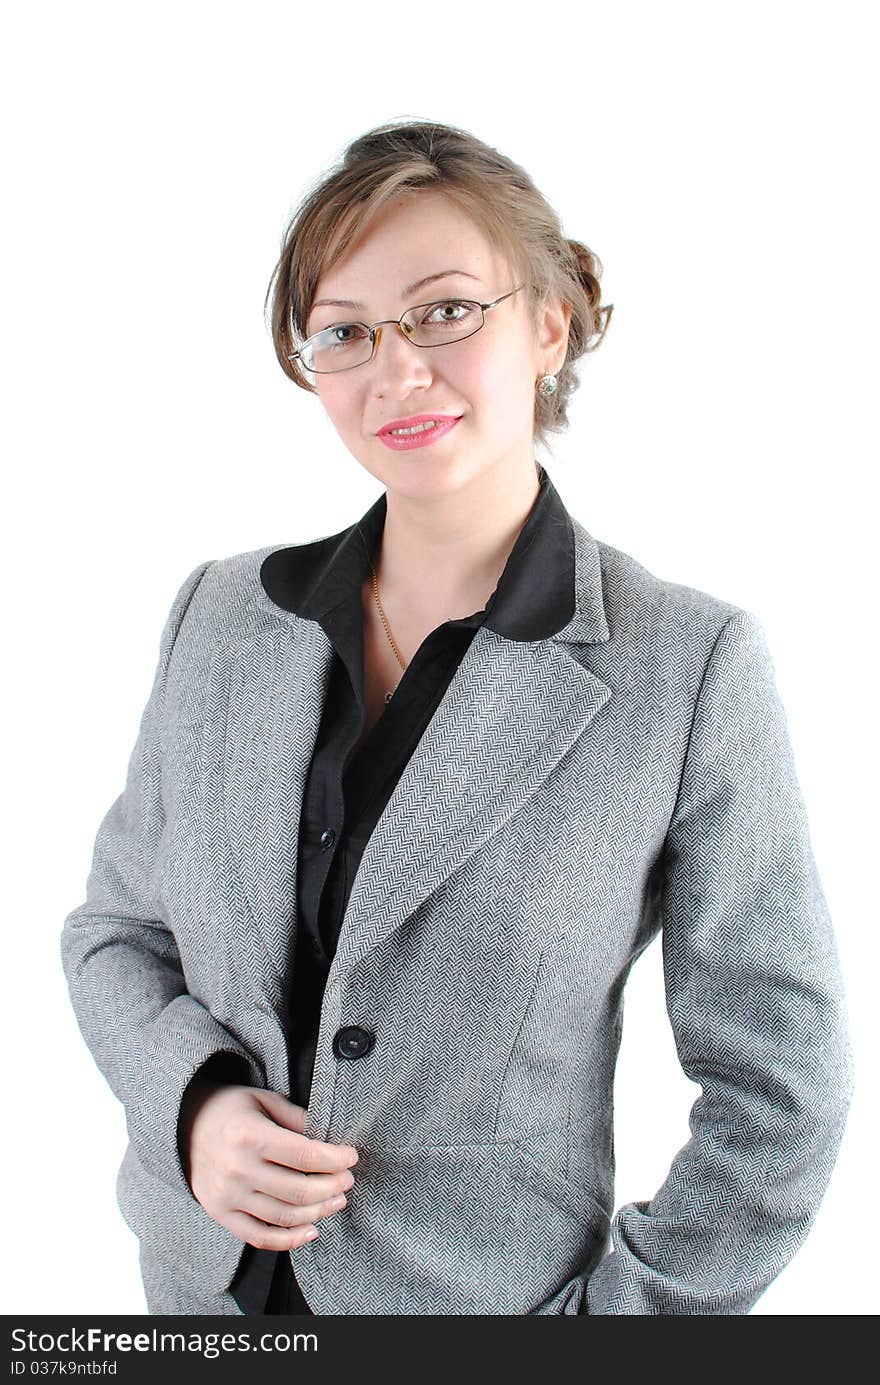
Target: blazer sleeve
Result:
[[147, 1034], [756, 1003]]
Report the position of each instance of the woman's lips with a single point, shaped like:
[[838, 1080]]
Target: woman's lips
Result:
[[405, 442]]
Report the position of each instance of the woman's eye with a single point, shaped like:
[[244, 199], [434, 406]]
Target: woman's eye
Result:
[[439, 311], [342, 334]]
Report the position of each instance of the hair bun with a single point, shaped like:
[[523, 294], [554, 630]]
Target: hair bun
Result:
[[588, 268]]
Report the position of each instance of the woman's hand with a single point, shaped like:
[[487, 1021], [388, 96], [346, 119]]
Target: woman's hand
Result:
[[252, 1169]]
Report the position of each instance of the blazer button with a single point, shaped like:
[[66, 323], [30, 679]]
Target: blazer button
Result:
[[352, 1041], [327, 837]]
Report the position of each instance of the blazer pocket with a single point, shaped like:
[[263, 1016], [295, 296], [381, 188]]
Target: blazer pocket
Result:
[[495, 1222]]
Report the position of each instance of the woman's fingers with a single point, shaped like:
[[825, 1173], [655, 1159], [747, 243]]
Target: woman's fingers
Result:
[[265, 1237], [301, 1189], [286, 1215], [279, 1144]]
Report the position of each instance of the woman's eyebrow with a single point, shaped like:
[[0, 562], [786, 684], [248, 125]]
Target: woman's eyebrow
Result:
[[410, 289]]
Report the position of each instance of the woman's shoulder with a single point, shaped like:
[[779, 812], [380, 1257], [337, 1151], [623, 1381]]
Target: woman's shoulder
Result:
[[224, 598], [237, 568], [654, 613]]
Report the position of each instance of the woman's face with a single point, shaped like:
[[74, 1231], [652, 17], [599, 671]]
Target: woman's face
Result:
[[487, 380]]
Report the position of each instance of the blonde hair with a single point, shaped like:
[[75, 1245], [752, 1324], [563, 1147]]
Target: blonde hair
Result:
[[496, 193]]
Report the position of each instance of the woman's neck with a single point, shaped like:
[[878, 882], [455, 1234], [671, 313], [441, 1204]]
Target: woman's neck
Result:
[[441, 559]]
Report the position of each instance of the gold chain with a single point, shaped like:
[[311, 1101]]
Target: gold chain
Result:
[[397, 655]]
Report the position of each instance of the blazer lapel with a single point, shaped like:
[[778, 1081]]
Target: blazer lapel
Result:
[[509, 715], [511, 712]]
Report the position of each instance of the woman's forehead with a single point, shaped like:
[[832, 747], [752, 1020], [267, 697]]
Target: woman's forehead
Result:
[[403, 245]]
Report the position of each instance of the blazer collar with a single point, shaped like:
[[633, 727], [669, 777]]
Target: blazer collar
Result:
[[550, 586]]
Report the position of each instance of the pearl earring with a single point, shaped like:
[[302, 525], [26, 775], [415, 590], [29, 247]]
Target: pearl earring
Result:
[[547, 385]]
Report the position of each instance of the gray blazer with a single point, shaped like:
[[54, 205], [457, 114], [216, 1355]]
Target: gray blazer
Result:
[[571, 798]]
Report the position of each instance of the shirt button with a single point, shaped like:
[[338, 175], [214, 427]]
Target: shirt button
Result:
[[353, 1041], [328, 837]]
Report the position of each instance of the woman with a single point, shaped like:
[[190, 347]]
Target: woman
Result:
[[406, 804]]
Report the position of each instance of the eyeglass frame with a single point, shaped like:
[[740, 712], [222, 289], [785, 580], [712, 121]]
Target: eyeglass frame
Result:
[[375, 333]]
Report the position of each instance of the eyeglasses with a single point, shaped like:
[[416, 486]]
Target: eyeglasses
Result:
[[350, 344]]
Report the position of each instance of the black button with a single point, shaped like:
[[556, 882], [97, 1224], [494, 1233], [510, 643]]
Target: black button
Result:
[[327, 838], [352, 1041]]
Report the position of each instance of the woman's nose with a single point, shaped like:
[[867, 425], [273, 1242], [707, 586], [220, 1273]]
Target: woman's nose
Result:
[[395, 358]]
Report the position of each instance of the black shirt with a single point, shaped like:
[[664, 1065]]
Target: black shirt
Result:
[[347, 790]]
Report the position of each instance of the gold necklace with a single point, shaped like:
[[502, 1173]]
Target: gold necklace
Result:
[[388, 695]]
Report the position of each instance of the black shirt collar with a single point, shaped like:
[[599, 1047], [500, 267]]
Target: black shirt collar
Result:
[[534, 598]]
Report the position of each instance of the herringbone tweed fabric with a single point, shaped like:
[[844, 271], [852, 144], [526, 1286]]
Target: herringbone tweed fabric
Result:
[[571, 798]]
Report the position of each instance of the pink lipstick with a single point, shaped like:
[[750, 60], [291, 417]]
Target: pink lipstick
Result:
[[427, 428]]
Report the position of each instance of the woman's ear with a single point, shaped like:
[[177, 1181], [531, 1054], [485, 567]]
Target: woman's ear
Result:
[[554, 318]]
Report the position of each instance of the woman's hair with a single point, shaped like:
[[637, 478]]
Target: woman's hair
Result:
[[497, 195]]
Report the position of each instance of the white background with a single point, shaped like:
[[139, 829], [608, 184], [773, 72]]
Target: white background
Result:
[[719, 158]]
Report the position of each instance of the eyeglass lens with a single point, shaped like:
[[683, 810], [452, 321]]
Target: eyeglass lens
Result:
[[349, 344]]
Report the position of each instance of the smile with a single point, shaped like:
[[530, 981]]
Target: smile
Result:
[[418, 434]]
